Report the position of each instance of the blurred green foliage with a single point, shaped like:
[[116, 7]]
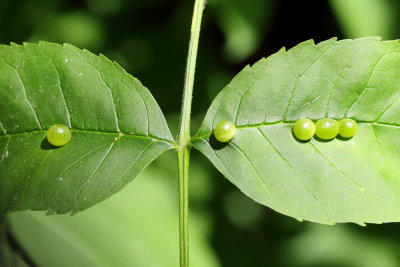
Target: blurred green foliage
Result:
[[360, 18], [243, 25], [138, 227], [8, 255], [341, 246], [78, 27]]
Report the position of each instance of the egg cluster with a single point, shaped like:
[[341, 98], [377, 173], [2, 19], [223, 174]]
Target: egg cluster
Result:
[[325, 129]]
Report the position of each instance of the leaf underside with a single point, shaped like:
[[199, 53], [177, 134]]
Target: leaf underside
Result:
[[356, 180], [117, 128]]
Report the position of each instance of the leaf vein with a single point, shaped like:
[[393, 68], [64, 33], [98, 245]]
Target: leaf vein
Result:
[[62, 92], [147, 112], [130, 168], [221, 161], [331, 163], [26, 182], [99, 132], [254, 168], [76, 162], [389, 106], [294, 89], [293, 169], [106, 154], [2, 128], [112, 96], [5, 150], [243, 95], [377, 141], [330, 96], [368, 81], [248, 126], [106, 84], [35, 115]]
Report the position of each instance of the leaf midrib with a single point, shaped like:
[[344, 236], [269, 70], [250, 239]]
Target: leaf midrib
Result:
[[249, 126], [97, 132]]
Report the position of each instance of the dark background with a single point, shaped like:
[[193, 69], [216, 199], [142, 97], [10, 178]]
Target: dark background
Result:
[[149, 39]]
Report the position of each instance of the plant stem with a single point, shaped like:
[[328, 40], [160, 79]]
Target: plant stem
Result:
[[184, 134], [183, 164]]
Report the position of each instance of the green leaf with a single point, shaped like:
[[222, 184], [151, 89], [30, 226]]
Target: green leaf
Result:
[[117, 128], [356, 180], [138, 228]]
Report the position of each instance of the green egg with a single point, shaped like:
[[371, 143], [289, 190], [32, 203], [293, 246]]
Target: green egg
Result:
[[58, 135], [347, 128], [224, 131], [304, 129], [326, 128]]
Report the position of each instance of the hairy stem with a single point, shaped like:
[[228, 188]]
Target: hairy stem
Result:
[[183, 164], [184, 134]]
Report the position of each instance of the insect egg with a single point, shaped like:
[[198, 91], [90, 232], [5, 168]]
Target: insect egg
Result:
[[58, 135], [326, 128], [347, 128], [224, 131], [304, 129]]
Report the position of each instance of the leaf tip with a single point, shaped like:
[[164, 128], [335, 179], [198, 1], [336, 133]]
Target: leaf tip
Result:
[[282, 50], [27, 45], [299, 219], [363, 224], [73, 212], [12, 44], [68, 45], [377, 38], [114, 63], [43, 43], [51, 212], [329, 41]]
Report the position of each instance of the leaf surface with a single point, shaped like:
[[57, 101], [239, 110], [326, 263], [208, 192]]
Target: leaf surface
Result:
[[117, 128], [356, 180]]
